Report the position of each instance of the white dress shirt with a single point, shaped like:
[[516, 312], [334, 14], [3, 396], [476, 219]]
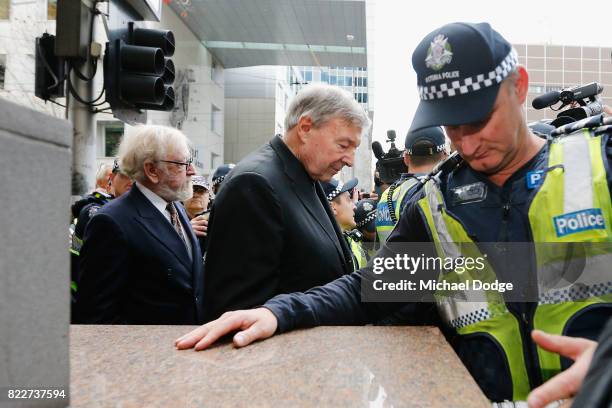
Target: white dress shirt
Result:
[[161, 204]]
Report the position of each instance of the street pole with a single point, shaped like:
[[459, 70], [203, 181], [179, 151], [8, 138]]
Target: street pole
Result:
[[82, 118]]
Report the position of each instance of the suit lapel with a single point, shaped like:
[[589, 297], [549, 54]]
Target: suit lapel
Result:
[[306, 191], [159, 227]]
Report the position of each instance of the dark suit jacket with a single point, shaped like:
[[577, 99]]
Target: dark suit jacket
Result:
[[135, 269], [271, 231]]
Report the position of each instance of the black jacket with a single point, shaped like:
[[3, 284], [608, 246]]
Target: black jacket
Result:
[[135, 269], [596, 389], [271, 231]]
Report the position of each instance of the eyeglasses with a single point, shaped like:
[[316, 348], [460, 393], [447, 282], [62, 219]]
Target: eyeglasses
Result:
[[186, 164]]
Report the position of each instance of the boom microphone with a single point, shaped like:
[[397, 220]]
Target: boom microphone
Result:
[[377, 150], [546, 100]]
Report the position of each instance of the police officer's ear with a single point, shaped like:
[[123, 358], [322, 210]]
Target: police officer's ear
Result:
[[303, 127], [407, 160], [520, 81], [332, 204]]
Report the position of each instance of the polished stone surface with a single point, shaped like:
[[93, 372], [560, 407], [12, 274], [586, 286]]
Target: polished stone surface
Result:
[[138, 366]]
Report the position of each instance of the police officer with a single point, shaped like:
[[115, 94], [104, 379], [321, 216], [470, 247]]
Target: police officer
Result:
[[513, 187], [424, 149], [82, 211], [339, 196], [219, 175], [217, 179], [365, 220]]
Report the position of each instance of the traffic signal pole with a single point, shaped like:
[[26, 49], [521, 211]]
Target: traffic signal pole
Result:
[[84, 142]]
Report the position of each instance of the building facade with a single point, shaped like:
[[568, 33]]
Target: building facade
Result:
[[199, 80], [554, 67], [256, 99]]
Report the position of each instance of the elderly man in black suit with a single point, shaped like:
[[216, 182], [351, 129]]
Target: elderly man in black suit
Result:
[[271, 229], [141, 262]]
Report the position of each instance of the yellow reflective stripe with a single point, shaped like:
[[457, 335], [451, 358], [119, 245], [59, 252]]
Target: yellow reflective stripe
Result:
[[400, 193], [359, 253]]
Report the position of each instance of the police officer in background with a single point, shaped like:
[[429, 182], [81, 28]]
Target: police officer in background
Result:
[[118, 183], [219, 175], [217, 179], [365, 221], [424, 149], [339, 195], [513, 187]]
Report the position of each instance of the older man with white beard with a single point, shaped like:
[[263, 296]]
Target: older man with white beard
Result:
[[141, 262]]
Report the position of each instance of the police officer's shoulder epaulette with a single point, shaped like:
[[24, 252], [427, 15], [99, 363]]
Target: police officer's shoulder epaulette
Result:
[[92, 210], [597, 125]]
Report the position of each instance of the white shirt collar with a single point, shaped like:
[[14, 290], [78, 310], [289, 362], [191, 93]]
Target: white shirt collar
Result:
[[156, 200]]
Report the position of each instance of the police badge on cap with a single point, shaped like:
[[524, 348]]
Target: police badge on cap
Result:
[[460, 67]]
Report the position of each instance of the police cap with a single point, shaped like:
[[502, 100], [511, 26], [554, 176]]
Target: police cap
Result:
[[459, 68], [333, 188]]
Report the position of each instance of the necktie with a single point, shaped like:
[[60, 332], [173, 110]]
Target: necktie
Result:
[[174, 219]]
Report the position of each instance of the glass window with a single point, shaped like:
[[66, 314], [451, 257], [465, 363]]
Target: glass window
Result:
[[5, 7], [332, 80], [348, 81], [51, 9], [2, 70], [365, 81], [590, 52], [324, 77], [308, 77], [554, 51], [365, 98], [216, 120], [112, 138]]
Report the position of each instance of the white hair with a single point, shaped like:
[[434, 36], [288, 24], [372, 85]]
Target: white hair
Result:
[[149, 143], [321, 103], [102, 175]]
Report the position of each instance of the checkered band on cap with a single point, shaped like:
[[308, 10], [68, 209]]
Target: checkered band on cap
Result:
[[334, 193], [472, 83], [371, 215], [470, 318], [218, 180]]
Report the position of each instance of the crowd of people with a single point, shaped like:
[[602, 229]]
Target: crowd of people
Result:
[[158, 244]]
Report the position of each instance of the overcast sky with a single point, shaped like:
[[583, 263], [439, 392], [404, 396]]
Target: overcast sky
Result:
[[401, 24]]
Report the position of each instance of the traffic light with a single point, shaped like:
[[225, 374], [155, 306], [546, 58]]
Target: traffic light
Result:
[[49, 69], [138, 73]]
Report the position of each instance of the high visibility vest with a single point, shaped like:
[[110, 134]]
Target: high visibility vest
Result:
[[359, 255], [388, 211], [572, 205]]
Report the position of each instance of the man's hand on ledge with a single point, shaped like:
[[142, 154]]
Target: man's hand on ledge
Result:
[[566, 384], [254, 324]]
